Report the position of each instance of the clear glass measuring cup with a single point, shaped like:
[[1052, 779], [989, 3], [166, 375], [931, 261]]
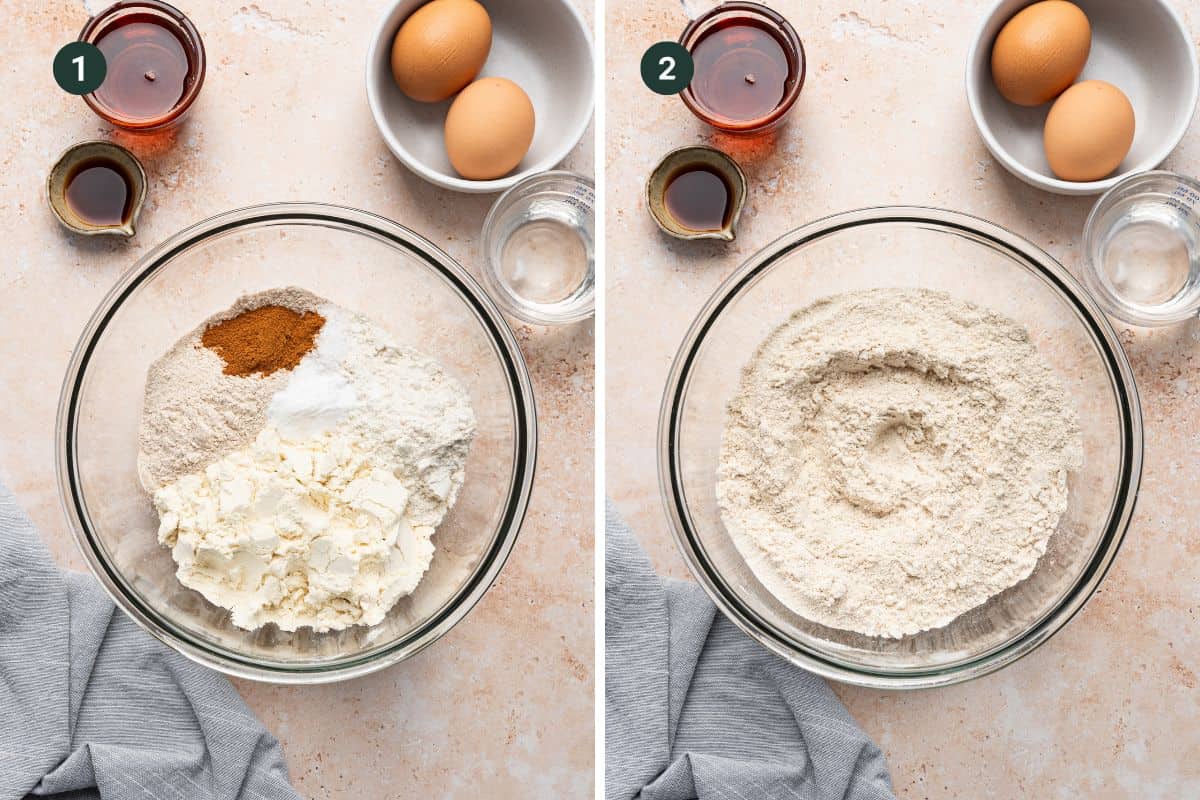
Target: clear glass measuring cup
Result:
[[538, 242], [1142, 249]]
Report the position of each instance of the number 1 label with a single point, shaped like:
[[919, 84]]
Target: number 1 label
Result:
[[79, 68]]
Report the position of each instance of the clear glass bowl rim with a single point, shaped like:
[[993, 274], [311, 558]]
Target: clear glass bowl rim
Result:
[[525, 447], [1024, 253]]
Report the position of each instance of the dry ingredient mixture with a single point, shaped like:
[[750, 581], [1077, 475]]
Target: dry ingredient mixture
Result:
[[300, 461], [893, 458]]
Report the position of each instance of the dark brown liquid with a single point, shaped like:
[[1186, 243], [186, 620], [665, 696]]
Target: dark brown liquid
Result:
[[742, 71], [99, 193], [698, 199], [148, 70]]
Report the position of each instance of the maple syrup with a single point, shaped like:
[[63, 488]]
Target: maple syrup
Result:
[[99, 192], [699, 199], [749, 67], [741, 72], [155, 64]]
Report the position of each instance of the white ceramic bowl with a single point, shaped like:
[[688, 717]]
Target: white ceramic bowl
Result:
[[1140, 46], [542, 45]]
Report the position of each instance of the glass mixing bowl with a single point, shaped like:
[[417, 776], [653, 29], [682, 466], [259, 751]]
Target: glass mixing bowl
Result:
[[367, 264], [972, 260]]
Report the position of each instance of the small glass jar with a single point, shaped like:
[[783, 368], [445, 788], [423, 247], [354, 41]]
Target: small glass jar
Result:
[[1141, 249], [137, 37], [539, 249], [738, 21]]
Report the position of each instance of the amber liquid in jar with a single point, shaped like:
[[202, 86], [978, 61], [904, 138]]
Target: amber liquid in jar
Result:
[[742, 71], [155, 63], [148, 70], [749, 67], [698, 199]]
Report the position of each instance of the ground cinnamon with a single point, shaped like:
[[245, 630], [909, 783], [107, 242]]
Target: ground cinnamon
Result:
[[263, 340]]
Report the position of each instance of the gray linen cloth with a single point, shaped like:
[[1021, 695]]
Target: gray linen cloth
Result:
[[696, 710], [91, 706]]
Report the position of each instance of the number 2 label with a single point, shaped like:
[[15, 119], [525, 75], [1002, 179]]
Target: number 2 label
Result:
[[666, 62], [667, 68]]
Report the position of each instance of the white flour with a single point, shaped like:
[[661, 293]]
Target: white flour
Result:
[[893, 458], [325, 517]]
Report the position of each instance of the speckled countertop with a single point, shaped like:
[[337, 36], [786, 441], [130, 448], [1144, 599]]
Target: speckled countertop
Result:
[[502, 706], [1107, 708]]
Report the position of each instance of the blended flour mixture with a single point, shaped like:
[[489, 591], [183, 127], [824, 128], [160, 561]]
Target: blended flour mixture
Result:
[[300, 461], [893, 458]]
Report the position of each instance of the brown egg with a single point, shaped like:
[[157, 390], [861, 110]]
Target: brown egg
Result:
[[440, 49], [1040, 52], [1089, 131], [489, 129]]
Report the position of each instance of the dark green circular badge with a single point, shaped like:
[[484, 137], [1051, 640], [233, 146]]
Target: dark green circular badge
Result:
[[79, 68], [667, 68]]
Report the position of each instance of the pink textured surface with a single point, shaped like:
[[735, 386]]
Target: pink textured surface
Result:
[[1107, 708], [502, 706]]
